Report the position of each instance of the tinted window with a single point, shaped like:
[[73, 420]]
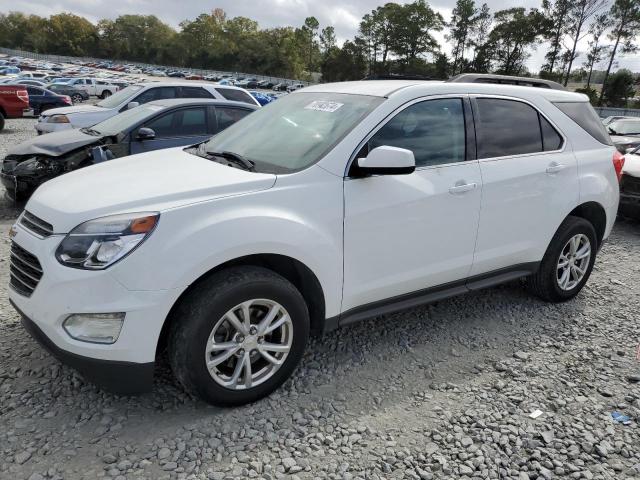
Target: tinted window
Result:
[[236, 95], [551, 139], [586, 117], [506, 127], [163, 125], [194, 92], [34, 91], [432, 130], [156, 94], [228, 116], [193, 122]]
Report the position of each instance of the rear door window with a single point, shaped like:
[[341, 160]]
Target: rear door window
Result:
[[506, 127], [194, 92], [236, 95]]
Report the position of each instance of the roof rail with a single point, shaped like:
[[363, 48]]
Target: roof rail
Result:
[[396, 76], [506, 80]]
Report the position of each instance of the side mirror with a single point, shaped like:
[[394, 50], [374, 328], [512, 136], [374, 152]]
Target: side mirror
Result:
[[387, 160], [146, 134], [131, 105]]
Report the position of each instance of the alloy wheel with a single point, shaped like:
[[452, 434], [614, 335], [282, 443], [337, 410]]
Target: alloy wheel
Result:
[[249, 344], [573, 262]]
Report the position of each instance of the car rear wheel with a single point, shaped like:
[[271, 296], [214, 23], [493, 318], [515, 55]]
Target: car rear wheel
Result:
[[76, 98], [1, 121], [567, 263], [105, 94], [238, 335]]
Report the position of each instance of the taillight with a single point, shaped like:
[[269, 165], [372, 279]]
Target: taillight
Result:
[[23, 95], [618, 163], [66, 99]]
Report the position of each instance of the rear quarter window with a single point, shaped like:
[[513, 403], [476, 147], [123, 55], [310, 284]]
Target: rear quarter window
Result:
[[586, 117]]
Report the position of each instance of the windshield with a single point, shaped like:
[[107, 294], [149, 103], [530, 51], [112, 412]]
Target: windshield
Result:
[[125, 120], [295, 131], [117, 98], [622, 127]]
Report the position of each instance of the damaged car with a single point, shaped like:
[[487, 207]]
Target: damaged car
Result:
[[630, 184], [152, 126]]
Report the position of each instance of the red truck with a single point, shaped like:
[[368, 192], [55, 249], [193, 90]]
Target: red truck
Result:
[[14, 102]]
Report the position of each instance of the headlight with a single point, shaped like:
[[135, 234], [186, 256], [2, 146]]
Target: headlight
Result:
[[58, 119], [98, 244]]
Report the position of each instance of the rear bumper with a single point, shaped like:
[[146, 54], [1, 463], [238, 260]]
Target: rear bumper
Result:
[[114, 376]]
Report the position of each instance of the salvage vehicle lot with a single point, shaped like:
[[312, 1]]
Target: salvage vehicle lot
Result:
[[442, 391]]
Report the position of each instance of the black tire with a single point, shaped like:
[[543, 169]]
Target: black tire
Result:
[[105, 94], [544, 283], [76, 98], [195, 317], [1, 121]]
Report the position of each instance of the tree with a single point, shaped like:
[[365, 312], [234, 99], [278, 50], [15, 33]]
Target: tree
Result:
[[69, 34], [481, 61], [579, 15], [619, 88], [346, 63], [413, 24], [310, 28], [556, 15], [463, 18], [625, 16], [327, 39], [596, 51], [516, 31]]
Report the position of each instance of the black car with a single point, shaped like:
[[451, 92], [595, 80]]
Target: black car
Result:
[[280, 87], [76, 94], [265, 84], [41, 99], [152, 126]]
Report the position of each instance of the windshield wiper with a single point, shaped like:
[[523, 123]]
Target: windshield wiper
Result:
[[235, 158], [91, 131], [612, 131]]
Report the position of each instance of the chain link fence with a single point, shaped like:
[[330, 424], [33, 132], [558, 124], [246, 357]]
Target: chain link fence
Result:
[[611, 111], [189, 71]]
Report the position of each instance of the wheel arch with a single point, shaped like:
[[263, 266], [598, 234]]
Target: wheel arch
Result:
[[296, 272], [595, 214]]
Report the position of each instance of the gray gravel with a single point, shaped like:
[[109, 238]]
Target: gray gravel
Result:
[[442, 391]]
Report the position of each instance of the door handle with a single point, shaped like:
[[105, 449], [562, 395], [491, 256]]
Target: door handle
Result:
[[462, 188], [554, 167]]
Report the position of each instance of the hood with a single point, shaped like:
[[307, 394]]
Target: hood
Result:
[[631, 165], [54, 144], [150, 181], [76, 109]]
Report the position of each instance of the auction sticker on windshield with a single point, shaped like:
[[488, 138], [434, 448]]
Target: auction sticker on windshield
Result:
[[322, 106]]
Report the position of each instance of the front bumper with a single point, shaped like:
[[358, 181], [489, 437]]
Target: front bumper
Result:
[[62, 291], [117, 377]]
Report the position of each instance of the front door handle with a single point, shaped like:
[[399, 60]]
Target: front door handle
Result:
[[461, 187], [554, 167]]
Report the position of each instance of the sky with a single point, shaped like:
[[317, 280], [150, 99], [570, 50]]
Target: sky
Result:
[[344, 15]]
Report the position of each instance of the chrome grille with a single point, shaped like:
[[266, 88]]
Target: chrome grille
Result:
[[36, 225], [25, 270]]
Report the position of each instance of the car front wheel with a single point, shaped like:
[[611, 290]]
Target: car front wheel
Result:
[[567, 263], [238, 335]]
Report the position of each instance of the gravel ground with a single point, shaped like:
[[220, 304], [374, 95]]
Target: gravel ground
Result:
[[441, 391]]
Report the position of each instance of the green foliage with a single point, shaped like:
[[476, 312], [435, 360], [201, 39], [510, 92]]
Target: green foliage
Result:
[[619, 89], [592, 93]]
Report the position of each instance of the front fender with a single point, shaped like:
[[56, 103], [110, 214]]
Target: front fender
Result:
[[179, 252]]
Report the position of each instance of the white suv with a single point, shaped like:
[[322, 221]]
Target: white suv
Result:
[[336, 203], [78, 116]]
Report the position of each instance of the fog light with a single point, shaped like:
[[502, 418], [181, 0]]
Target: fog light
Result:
[[94, 327]]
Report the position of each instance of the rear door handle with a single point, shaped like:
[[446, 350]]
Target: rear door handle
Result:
[[554, 167], [462, 188]]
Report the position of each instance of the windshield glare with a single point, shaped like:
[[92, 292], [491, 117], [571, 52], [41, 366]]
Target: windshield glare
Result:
[[119, 97], [125, 120], [295, 131]]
